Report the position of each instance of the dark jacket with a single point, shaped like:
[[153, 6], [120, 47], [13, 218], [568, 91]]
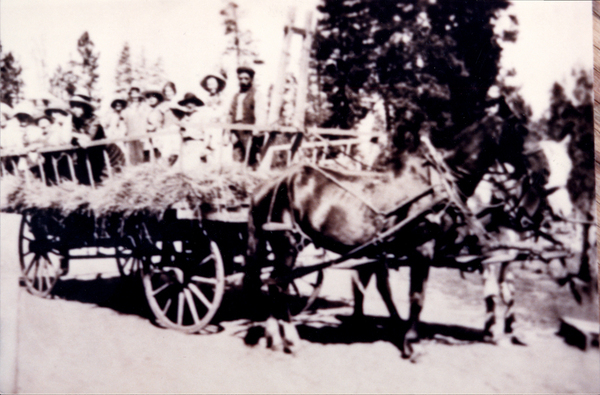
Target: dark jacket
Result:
[[247, 107]]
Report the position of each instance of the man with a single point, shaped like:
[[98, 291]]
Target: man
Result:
[[246, 108]]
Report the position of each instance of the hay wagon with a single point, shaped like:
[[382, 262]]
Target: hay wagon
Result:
[[186, 245]]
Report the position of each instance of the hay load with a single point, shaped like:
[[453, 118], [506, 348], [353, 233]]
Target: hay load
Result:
[[146, 189]]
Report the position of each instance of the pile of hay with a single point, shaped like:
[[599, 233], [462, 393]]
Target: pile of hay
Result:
[[149, 189]]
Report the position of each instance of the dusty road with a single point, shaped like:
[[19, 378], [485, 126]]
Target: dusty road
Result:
[[94, 336]]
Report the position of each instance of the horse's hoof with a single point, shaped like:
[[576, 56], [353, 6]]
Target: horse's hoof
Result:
[[253, 335], [291, 339], [518, 341], [273, 335], [407, 350]]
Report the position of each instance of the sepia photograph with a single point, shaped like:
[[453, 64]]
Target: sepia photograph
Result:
[[284, 196]]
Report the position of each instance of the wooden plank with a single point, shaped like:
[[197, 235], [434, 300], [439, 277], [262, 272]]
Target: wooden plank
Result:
[[277, 98]]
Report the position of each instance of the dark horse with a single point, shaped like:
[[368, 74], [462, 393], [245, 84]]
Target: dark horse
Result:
[[322, 206]]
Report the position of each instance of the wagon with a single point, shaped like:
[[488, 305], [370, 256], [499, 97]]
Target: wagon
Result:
[[185, 258]]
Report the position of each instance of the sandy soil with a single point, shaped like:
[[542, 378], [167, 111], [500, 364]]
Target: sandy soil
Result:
[[95, 336]]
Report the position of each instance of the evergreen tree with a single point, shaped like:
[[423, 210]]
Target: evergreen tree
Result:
[[87, 65], [124, 72], [432, 62], [10, 75], [63, 83], [241, 42]]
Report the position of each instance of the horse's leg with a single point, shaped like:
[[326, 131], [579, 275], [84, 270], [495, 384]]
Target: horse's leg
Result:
[[419, 273], [285, 258], [359, 283], [383, 286], [491, 294], [507, 291]]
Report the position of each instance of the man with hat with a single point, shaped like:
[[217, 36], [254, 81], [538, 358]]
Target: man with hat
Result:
[[246, 108]]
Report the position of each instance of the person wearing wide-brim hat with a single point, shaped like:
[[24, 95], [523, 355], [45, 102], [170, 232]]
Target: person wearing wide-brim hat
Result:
[[114, 122], [213, 83], [118, 102], [190, 98], [154, 93], [193, 149], [218, 140]]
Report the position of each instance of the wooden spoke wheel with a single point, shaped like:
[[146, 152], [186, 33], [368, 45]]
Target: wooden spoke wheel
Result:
[[184, 282], [304, 291], [129, 262], [39, 254]]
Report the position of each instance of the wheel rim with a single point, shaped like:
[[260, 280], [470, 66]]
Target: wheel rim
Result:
[[39, 257], [184, 287]]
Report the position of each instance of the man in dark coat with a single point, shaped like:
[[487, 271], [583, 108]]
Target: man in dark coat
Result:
[[245, 108]]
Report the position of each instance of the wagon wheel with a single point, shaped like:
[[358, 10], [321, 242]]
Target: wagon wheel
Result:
[[306, 289], [129, 263], [184, 282], [39, 255]]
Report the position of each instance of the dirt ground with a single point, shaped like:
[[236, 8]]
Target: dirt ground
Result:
[[95, 337]]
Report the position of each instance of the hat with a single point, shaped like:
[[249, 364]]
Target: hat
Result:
[[190, 98], [220, 80], [246, 69], [45, 116], [82, 100], [57, 105], [119, 100], [179, 111], [25, 109], [156, 93]]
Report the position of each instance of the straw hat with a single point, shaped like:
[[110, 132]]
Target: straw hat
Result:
[[57, 105], [82, 100], [25, 110], [221, 80]]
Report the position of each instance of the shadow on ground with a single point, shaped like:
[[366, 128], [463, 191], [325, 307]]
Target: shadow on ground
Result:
[[126, 296]]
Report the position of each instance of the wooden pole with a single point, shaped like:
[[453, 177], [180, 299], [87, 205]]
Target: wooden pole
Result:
[[277, 99], [55, 167], [303, 75], [71, 167], [107, 162]]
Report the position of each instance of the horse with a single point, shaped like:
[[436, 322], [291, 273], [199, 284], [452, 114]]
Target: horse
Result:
[[320, 205]]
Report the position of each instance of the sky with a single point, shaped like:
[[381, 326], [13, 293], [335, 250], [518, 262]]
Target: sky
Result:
[[554, 37]]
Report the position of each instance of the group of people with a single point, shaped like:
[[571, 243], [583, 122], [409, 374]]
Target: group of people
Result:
[[148, 125]]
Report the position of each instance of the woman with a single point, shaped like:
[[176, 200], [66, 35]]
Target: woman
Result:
[[170, 144], [154, 119], [220, 147], [86, 128], [193, 149]]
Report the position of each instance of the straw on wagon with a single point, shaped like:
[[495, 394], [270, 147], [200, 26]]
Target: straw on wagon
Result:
[[149, 189]]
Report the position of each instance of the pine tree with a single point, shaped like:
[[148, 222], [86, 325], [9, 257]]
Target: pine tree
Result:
[[11, 82], [432, 62], [241, 43], [64, 82], [87, 66], [124, 72]]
